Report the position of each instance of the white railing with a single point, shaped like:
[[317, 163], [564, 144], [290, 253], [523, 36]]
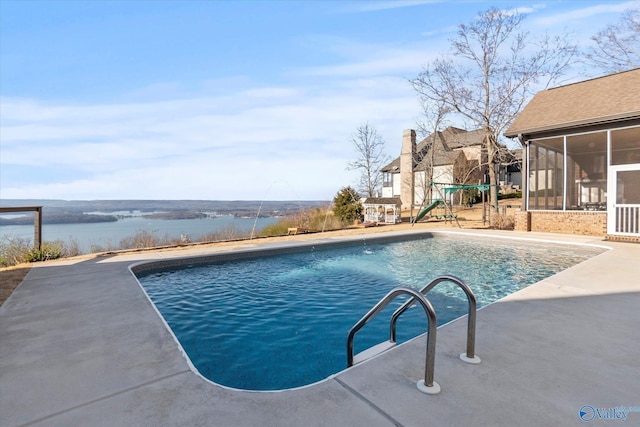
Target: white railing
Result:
[[628, 219]]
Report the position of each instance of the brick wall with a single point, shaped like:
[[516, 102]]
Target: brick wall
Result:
[[522, 220], [568, 222], [631, 239]]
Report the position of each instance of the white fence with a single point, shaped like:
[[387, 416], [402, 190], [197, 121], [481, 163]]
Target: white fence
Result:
[[628, 219]]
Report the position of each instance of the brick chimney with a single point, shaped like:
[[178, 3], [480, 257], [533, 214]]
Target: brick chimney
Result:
[[406, 168]]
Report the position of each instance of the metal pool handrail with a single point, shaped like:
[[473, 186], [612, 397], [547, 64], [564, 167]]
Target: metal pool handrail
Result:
[[431, 331], [471, 321]]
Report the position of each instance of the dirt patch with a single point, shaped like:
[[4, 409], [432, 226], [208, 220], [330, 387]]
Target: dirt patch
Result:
[[10, 278]]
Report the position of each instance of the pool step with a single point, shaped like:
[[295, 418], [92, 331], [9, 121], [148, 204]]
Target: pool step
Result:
[[373, 351]]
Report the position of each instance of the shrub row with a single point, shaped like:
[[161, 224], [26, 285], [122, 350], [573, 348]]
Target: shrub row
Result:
[[16, 250]]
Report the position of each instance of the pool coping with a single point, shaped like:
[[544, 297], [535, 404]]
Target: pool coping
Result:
[[122, 367], [282, 249]]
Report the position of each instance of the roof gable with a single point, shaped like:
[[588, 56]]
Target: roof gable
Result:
[[591, 102], [445, 143]]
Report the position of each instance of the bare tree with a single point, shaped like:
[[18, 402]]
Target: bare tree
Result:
[[618, 45], [369, 146], [466, 172], [492, 70], [434, 116]]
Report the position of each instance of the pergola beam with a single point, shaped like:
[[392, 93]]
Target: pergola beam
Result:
[[37, 220]]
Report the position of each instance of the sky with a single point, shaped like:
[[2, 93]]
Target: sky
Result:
[[223, 100]]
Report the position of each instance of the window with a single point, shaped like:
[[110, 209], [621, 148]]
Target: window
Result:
[[587, 171], [546, 173], [628, 188], [570, 172], [625, 146], [584, 181], [387, 179]]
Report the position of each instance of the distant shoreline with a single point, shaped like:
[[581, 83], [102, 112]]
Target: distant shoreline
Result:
[[94, 211], [101, 236], [87, 218], [59, 219]]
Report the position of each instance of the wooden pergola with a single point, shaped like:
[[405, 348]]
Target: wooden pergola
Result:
[[37, 220]]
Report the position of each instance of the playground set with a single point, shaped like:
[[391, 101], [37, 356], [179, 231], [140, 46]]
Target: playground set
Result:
[[440, 199]]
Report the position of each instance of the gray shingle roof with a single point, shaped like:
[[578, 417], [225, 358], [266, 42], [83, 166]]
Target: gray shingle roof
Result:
[[382, 201], [605, 99]]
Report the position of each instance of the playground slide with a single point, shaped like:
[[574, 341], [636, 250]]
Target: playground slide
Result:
[[426, 210]]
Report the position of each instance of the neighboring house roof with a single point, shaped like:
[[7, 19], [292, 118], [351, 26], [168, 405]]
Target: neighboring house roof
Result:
[[605, 99], [392, 167], [446, 142], [441, 157], [382, 201], [458, 138]]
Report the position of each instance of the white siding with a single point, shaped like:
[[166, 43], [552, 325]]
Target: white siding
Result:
[[473, 153], [421, 186], [396, 185], [443, 174]]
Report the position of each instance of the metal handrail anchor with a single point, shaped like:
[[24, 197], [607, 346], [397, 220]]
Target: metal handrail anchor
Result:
[[469, 356], [426, 385]]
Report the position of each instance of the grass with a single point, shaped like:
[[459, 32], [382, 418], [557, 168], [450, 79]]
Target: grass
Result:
[[313, 219]]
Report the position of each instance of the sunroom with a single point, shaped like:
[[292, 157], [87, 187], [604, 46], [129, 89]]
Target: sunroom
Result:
[[582, 158]]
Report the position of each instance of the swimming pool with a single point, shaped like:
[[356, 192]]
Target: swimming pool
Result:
[[257, 321]]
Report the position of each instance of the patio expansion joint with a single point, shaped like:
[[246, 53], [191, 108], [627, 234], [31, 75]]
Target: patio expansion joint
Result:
[[108, 396], [369, 403]]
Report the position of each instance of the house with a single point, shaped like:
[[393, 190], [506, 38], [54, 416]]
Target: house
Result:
[[452, 156], [440, 157], [510, 172], [581, 165]]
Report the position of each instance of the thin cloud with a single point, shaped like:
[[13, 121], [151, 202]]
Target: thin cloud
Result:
[[440, 31], [386, 61], [186, 148], [189, 138], [202, 177], [578, 14], [515, 11], [386, 5], [525, 10]]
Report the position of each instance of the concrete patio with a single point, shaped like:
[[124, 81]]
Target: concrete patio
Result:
[[80, 344]]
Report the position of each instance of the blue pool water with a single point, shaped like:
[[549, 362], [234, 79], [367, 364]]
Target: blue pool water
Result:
[[275, 322]]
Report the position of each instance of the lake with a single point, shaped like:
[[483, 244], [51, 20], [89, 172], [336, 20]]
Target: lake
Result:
[[108, 235]]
